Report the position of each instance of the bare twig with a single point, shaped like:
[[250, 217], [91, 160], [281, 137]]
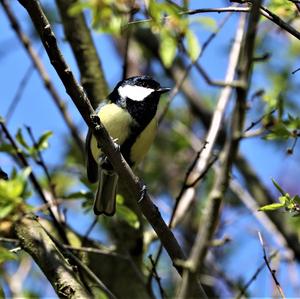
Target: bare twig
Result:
[[18, 94], [43, 73], [267, 262], [211, 215], [82, 44], [198, 11], [252, 205], [127, 41], [156, 277], [179, 197], [254, 276], [88, 231], [40, 161], [217, 118], [254, 123], [278, 21], [208, 80]]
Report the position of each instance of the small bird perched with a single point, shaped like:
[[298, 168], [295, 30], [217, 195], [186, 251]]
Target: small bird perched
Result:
[[130, 120]]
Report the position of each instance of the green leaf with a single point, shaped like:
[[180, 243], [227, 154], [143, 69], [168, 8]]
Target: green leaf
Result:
[[42, 143], [278, 187], [128, 215], [193, 47], [7, 148], [207, 22], [167, 49], [6, 255], [284, 199], [7, 209], [21, 140], [79, 195], [13, 192], [272, 207], [78, 7], [279, 131]]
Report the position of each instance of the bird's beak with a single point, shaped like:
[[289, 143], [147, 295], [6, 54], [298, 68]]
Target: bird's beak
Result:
[[163, 90]]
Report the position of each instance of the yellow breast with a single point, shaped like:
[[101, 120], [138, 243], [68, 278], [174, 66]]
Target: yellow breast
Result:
[[143, 142], [117, 122]]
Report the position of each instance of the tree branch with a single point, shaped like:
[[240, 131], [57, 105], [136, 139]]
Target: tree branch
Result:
[[210, 217], [217, 118], [36, 242], [79, 36]]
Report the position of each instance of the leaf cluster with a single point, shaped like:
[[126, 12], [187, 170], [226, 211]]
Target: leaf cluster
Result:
[[290, 204]]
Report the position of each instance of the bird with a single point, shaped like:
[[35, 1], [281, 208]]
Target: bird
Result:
[[129, 116]]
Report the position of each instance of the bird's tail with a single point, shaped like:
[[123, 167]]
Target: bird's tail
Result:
[[105, 200]]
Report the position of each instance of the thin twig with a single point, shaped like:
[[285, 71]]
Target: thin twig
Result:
[[88, 231], [24, 39], [267, 262], [210, 218], [40, 161], [156, 277], [278, 21], [18, 94], [254, 276], [184, 186], [198, 11], [127, 41], [217, 119], [254, 123]]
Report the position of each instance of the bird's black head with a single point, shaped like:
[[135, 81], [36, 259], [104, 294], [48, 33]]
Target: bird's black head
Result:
[[139, 95], [138, 89]]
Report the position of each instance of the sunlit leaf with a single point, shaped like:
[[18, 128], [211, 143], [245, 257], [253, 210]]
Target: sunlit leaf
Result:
[[207, 22], [6, 255], [7, 148], [167, 49], [43, 143], [193, 47], [13, 192], [278, 187], [21, 140], [271, 207], [128, 215], [279, 131]]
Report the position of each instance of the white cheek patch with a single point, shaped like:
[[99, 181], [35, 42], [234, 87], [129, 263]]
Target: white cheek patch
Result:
[[135, 93]]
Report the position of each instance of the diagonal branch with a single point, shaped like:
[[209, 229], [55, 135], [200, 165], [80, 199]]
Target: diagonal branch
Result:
[[210, 217], [82, 103], [217, 119], [59, 272], [79, 36]]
